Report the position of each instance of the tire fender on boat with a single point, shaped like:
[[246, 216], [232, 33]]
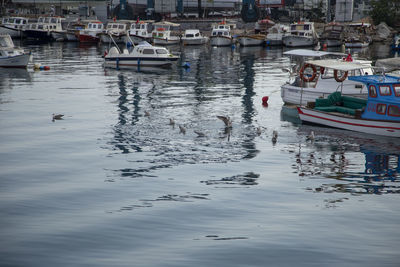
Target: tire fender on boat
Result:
[[305, 78], [341, 78]]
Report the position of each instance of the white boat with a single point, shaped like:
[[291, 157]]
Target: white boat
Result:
[[11, 56], [332, 35], [117, 29], [379, 114], [312, 79], [13, 26], [276, 34], [221, 35], [140, 56], [72, 31], [141, 31], [357, 35], [251, 39], [44, 28], [163, 33], [301, 34], [193, 37]]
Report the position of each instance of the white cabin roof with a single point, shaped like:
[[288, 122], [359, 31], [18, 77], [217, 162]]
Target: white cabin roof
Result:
[[340, 64], [311, 53]]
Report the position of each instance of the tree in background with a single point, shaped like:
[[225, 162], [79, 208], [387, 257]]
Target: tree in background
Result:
[[385, 11]]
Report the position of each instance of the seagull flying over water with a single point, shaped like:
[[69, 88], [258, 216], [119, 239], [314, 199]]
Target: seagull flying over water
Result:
[[226, 120]]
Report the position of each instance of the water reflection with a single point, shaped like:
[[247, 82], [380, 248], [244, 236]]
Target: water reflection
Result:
[[358, 165]]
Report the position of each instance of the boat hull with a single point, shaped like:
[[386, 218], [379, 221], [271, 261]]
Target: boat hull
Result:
[[135, 62], [14, 33], [297, 41], [356, 44], [194, 41], [301, 96], [220, 41], [169, 41], [248, 41], [86, 38], [384, 128], [39, 35], [19, 61]]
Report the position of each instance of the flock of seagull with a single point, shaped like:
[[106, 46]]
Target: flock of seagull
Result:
[[226, 119]]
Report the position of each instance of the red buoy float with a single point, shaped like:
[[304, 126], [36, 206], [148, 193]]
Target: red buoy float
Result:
[[265, 100], [46, 68]]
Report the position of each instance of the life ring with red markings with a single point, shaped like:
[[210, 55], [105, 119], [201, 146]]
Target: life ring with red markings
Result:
[[307, 78]]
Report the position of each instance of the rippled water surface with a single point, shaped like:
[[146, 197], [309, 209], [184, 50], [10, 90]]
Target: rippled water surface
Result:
[[115, 184]]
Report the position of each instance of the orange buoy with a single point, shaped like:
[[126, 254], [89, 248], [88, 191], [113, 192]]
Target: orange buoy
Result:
[[46, 68]]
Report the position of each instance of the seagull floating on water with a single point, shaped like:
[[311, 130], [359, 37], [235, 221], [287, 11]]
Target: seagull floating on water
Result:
[[182, 129], [274, 136], [146, 113], [171, 122], [57, 116], [226, 120], [199, 134]]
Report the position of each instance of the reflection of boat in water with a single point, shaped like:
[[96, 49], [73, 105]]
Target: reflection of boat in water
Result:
[[359, 164], [289, 113]]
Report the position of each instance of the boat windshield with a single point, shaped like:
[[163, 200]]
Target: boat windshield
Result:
[[161, 51]]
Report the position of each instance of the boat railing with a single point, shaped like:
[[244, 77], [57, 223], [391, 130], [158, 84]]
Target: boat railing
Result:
[[115, 44]]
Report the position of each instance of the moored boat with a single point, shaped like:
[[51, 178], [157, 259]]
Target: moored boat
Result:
[[91, 34], [140, 31], [164, 33], [276, 34], [312, 79], [332, 35], [44, 28], [357, 35], [117, 29], [379, 114], [193, 37], [140, 56], [301, 34], [221, 34], [251, 39], [11, 56], [13, 26]]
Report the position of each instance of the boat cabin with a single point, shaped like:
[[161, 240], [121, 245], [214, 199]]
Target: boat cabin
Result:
[[47, 24], [383, 97], [302, 29], [192, 33], [141, 28], [163, 30], [15, 22]]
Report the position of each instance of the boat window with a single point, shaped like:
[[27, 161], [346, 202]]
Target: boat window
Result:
[[121, 27], [384, 90], [225, 33], [396, 88], [197, 35], [147, 51], [214, 33], [394, 111], [381, 109], [293, 27], [372, 91], [142, 26], [306, 27], [161, 51], [189, 35], [53, 20], [160, 35], [40, 27]]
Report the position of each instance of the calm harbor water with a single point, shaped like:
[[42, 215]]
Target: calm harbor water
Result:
[[110, 186]]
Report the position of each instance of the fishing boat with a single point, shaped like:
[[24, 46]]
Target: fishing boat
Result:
[[255, 39], [11, 56], [164, 34], [117, 29], [193, 37], [91, 34], [379, 114], [141, 31], [357, 35], [140, 56], [276, 34], [44, 28], [72, 31], [332, 35], [13, 26], [301, 34], [221, 34], [319, 73]]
